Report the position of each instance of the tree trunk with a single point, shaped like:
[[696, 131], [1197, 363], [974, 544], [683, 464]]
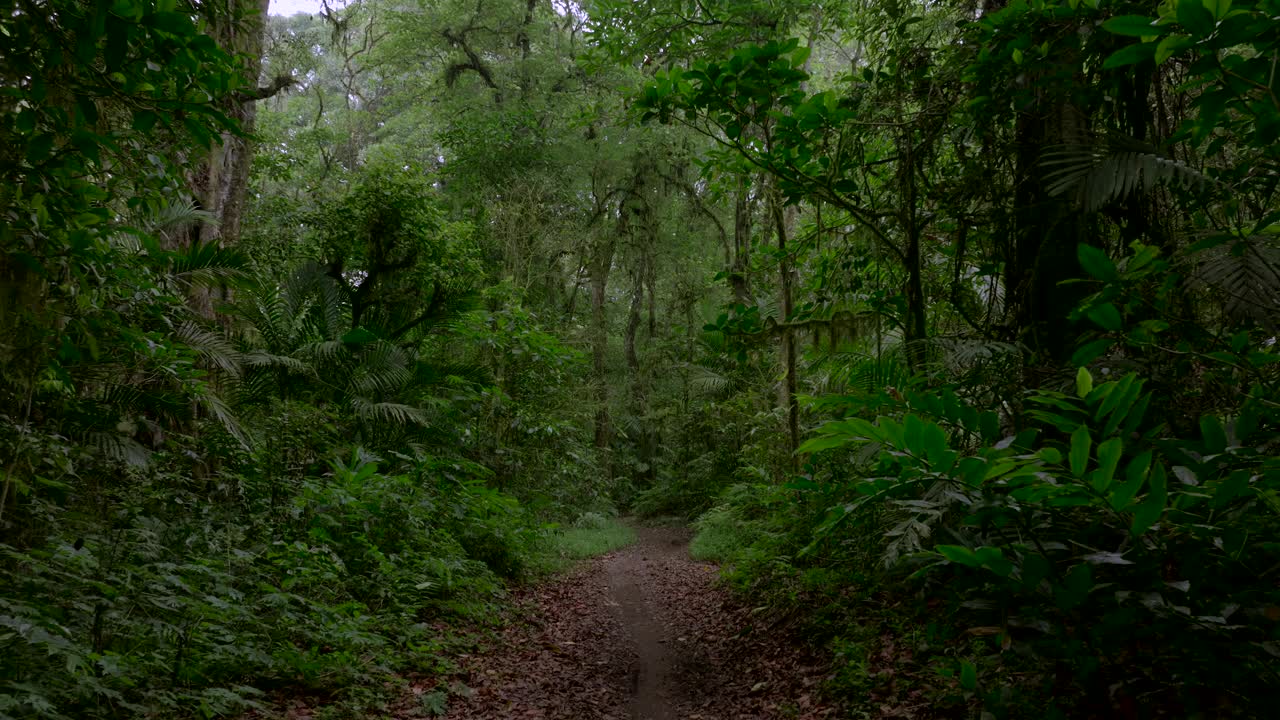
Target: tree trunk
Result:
[[742, 211], [916, 326], [1047, 232], [645, 444], [601, 263], [788, 336], [219, 183]]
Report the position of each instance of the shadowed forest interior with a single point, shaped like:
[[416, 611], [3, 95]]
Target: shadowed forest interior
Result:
[[949, 329]]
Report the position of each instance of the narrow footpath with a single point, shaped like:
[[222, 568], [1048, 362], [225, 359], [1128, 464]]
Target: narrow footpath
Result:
[[642, 633]]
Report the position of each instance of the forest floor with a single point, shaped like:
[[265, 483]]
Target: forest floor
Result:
[[642, 633]]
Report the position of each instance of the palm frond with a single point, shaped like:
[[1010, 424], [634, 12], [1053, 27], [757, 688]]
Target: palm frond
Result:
[[382, 381], [707, 382], [451, 373], [963, 353], [325, 350], [309, 289], [770, 307], [208, 264], [380, 354], [388, 412], [1101, 172], [218, 409], [119, 448], [1246, 276], [871, 375], [264, 359], [180, 216], [116, 398], [265, 312], [450, 313], [211, 346], [383, 368], [256, 387]]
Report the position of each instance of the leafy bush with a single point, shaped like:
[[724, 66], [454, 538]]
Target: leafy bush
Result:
[[1102, 542], [168, 615], [1099, 544], [749, 522]]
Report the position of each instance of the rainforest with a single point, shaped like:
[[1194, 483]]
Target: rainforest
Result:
[[648, 359]]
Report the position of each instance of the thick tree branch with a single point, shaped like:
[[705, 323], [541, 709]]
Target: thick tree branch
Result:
[[262, 93]]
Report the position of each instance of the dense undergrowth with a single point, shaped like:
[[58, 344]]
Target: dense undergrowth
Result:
[[953, 323], [1085, 556], [362, 578]]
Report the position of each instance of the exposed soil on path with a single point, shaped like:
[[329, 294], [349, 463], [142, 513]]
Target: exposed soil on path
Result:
[[642, 633]]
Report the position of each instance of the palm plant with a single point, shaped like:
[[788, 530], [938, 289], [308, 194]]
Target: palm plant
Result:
[[299, 343], [1098, 172]]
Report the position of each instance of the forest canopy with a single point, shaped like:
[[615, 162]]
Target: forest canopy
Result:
[[949, 326]]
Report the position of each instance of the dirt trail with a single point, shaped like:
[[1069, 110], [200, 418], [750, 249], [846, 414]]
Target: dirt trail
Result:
[[650, 669], [639, 634]]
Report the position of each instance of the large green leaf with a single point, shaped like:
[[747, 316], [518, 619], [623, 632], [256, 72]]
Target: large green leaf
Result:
[[1151, 508], [1109, 453], [1078, 457], [1095, 262], [1193, 16], [1130, 55], [1133, 26], [1084, 382]]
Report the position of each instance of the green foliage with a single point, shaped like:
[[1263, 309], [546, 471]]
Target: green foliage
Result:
[[748, 525], [168, 614], [1010, 271], [590, 534], [1093, 520]]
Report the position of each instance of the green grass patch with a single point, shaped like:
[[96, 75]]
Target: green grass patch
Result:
[[748, 524], [719, 538], [590, 535]]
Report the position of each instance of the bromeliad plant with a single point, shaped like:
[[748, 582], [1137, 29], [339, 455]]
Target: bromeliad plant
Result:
[[1090, 539]]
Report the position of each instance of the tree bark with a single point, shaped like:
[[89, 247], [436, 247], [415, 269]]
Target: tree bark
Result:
[[601, 263], [916, 329], [220, 185], [1047, 231], [742, 211], [788, 335]]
